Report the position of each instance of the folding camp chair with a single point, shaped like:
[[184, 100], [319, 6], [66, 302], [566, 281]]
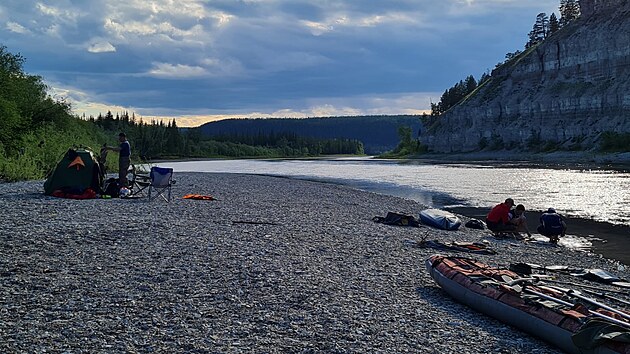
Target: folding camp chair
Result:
[[139, 181], [161, 182]]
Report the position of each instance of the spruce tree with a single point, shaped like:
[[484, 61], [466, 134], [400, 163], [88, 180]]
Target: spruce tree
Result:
[[554, 25], [569, 11], [539, 31], [471, 84]]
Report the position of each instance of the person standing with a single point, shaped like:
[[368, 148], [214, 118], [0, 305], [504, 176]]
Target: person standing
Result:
[[124, 158], [552, 225], [498, 219]]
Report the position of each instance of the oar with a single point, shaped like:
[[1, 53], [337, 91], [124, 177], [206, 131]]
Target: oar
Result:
[[587, 286], [577, 294], [606, 296], [566, 303], [512, 282]]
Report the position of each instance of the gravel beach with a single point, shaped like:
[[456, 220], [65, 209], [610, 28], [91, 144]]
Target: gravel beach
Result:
[[273, 265]]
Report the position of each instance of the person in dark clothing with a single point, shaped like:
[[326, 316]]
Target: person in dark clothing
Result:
[[498, 219], [552, 225], [124, 159]]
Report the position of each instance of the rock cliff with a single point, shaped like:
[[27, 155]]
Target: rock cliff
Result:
[[565, 91]]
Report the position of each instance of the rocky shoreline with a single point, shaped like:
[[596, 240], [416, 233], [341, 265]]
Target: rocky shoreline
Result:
[[273, 265]]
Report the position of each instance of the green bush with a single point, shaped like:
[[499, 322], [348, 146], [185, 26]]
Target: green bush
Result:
[[39, 151]]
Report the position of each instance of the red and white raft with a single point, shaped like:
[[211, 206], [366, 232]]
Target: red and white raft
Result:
[[538, 310]]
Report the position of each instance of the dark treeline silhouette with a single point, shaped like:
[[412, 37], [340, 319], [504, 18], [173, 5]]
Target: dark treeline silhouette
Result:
[[377, 133], [545, 26], [148, 140], [454, 95], [25, 106], [158, 140], [292, 142]]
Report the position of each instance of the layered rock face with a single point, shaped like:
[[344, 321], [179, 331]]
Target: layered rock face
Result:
[[565, 91]]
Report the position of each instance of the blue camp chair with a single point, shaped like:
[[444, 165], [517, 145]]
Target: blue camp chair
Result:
[[161, 182]]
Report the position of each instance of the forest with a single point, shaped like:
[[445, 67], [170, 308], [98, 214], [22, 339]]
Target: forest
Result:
[[378, 134]]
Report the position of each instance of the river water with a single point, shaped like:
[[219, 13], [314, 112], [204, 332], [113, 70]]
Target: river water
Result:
[[595, 194]]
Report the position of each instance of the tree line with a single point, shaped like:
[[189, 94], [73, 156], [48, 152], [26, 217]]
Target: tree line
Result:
[[377, 133], [545, 26], [159, 140]]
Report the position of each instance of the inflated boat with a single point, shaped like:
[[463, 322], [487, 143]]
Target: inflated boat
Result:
[[441, 219], [541, 311]]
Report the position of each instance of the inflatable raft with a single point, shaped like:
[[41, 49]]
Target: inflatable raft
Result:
[[440, 218], [538, 310]]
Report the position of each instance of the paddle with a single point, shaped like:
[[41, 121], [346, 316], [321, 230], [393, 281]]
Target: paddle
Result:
[[606, 296], [577, 294], [568, 304], [587, 286], [513, 283]]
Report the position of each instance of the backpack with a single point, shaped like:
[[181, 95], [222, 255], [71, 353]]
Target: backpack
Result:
[[475, 224], [112, 187]]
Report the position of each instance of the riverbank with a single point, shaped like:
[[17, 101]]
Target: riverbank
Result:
[[275, 264]]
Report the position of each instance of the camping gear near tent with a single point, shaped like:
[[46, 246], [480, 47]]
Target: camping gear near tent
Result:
[[538, 310], [77, 171], [440, 218]]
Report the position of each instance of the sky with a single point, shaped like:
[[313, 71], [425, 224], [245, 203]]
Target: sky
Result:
[[203, 60]]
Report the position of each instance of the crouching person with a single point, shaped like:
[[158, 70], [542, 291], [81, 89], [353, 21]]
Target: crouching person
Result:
[[498, 219], [552, 225]]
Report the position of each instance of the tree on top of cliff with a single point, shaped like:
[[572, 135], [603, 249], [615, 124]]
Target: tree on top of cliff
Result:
[[569, 11], [539, 31], [454, 95], [554, 24]]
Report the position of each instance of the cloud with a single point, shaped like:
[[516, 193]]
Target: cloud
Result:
[[101, 47], [176, 71], [66, 16], [17, 28]]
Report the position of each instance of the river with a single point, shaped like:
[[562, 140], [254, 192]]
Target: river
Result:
[[599, 195]]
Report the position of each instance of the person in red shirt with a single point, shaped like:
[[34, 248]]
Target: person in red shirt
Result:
[[498, 219]]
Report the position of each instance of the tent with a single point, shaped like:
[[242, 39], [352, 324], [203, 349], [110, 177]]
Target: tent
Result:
[[76, 173]]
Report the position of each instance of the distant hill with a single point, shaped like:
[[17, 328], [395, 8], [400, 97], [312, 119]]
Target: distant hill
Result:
[[378, 133]]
